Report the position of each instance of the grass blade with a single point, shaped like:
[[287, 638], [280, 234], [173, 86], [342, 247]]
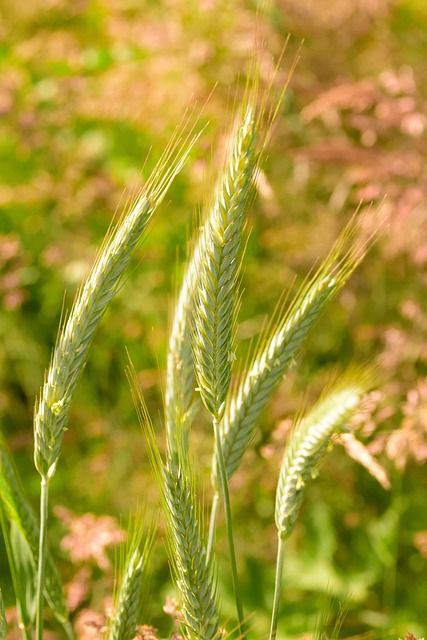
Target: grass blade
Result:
[[3, 621], [25, 619], [19, 511], [25, 574]]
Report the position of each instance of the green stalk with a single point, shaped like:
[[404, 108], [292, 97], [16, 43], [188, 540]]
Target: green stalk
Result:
[[229, 526], [277, 587], [212, 526], [44, 499]]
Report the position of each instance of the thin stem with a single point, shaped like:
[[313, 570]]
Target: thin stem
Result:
[[229, 526], [44, 499], [390, 566], [277, 587], [212, 527]]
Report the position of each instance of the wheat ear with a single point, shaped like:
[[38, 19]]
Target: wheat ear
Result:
[[19, 511], [226, 217], [192, 574], [217, 283], [323, 620], [129, 598], [279, 347], [75, 337], [72, 347], [309, 441], [307, 446], [216, 296], [180, 400]]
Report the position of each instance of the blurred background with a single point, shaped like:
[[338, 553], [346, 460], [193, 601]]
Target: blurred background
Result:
[[88, 90]]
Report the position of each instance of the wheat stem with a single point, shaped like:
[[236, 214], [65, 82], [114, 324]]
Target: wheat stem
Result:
[[229, 527], [44, 499], [212, 527], [277, 587]]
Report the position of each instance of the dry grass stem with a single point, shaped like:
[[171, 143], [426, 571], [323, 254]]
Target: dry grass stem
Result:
[[356, 450]]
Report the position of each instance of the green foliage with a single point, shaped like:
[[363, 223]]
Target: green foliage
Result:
[[24, 570], [212, 310], [85, 91], [3, 623], [25, 533]]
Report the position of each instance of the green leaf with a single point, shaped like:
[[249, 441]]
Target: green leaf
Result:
[[25, 574], [18, 510], [3, 623], [24, 619]]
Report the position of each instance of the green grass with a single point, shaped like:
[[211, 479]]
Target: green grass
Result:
[[75, 133], [206, 320]]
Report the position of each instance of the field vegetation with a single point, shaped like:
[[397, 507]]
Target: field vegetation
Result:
[[91, 93]]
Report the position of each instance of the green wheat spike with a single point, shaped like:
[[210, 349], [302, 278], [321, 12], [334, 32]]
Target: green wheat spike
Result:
[[180, 399], [216, 294], [307, 446], [186, 547], [279, 347], [128, 601], [75, 337], [309, 442]]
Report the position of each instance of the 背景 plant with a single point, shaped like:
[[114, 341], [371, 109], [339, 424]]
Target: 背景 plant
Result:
[[199, 365]]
